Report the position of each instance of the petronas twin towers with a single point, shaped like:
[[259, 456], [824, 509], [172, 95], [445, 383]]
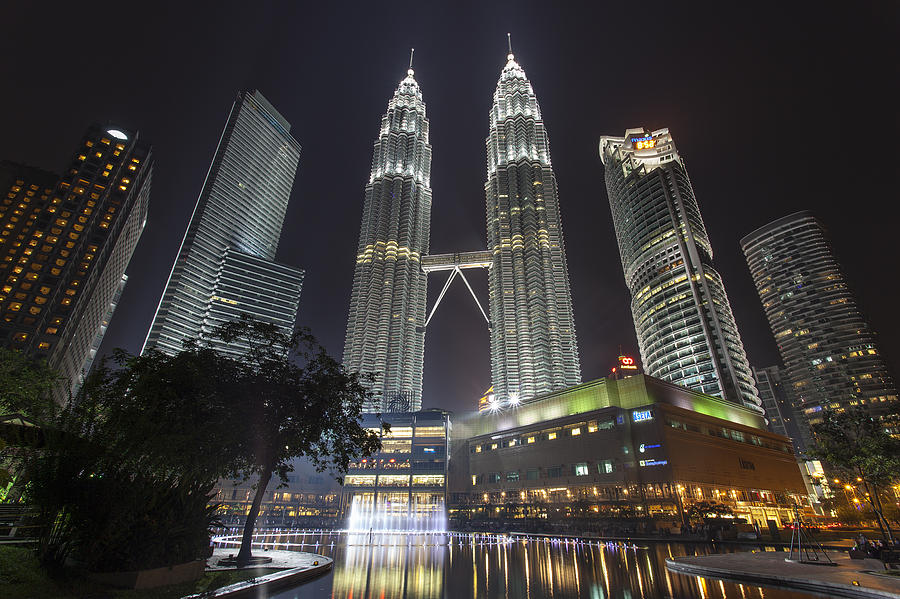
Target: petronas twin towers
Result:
[[533, 345]]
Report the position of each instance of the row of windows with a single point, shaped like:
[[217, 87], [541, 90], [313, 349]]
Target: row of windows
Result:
[[545, 435], [731, 434], [579, 469]]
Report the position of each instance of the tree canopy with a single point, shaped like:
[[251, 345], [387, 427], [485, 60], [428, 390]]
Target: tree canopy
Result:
[[857, 445], [295, 401]]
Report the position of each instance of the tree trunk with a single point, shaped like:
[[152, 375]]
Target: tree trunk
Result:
[[243, 557]]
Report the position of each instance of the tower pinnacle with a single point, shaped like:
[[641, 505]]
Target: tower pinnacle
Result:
[[410, 72], [509, 56]]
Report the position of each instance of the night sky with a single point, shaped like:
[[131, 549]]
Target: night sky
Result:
[[775, 108]]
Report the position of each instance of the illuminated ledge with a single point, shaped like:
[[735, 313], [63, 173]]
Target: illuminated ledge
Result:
[[628, 393], [480, 259]]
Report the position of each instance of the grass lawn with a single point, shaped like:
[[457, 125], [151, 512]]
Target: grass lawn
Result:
[[21, 577]]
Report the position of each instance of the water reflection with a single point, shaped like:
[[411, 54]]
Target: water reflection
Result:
[[399, 566]]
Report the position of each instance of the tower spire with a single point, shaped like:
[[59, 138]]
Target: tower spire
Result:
[[411, 52], [509, 44]]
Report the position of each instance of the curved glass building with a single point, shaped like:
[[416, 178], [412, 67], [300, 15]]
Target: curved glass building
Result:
[[827, 346], [684, 324], [386, 325], [533, 344]]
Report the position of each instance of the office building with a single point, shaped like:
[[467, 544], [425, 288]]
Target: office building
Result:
[[829, 351], [778, 401], [67, 242], [386, 324], [225, 266], [533, 344], [685, 328]]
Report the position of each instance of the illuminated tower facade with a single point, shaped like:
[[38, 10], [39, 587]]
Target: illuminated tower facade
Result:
[[386, 324], [684, 324], [829, 350], [533, 344], [225, 266], [67, 242]]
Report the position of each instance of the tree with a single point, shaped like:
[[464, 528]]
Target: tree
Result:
[[856, 445], [293, 400], [123, 480], [25, 385]]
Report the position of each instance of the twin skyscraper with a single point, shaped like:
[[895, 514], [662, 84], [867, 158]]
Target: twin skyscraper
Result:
[[533, 345], [225, 267]]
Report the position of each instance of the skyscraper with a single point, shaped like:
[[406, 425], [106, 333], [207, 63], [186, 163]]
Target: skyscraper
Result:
[[685, 329], [828, 348], [533, 345], [778, 402], [233, 235], [385, 327], [67, 243]]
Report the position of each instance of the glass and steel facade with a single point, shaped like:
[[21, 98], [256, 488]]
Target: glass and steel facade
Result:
[[236, 224], [684, 324], [404, 485], [386, 324], [67, 245], [829, 351], [533, 344]]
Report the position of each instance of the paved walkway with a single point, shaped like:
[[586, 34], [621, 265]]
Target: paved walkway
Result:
[[294, 567], [769, 568], [280, 559]]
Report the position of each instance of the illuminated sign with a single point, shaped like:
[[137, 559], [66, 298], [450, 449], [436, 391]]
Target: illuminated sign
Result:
[[643, 143], [645, 447], [641, 415], [654, 462], [627, 363]]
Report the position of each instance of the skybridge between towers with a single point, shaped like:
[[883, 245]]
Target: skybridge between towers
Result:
[[456, 263]]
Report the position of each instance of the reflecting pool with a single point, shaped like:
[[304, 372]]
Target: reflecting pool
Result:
[[451, 565]]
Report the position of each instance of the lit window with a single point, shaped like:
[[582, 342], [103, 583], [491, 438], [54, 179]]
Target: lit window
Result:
[[581, 469], [551, 436], [576, 432], [529, 440]]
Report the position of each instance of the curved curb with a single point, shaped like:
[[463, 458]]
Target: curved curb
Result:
[[832, 589], [263, 585]]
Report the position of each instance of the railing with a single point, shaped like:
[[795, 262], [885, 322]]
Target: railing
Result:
[[18, 524]]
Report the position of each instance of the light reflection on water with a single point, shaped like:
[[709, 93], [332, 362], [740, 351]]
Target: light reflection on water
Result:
[[400, 566]]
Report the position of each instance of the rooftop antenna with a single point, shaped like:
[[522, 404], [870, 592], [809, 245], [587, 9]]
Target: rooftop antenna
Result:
[[411, 52], [509, 43]]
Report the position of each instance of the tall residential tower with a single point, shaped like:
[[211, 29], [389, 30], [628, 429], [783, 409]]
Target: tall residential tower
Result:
[[533, 344], [386, 325], [67, 243], [828, 348], [225, 267], [685, 329]]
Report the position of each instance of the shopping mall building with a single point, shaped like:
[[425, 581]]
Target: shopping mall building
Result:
[[636, 446]]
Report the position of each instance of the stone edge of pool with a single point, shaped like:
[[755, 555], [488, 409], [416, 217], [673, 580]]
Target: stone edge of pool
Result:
[[270, 582], [772, 572]]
